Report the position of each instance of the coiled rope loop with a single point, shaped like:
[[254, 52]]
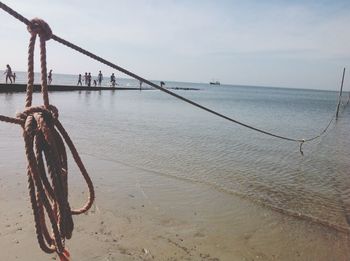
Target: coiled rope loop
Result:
[[45, 139]]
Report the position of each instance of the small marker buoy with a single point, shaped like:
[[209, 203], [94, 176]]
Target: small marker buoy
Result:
[[301, 147], [64, 256]]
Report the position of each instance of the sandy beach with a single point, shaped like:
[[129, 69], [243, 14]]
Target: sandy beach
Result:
[[140, 215]]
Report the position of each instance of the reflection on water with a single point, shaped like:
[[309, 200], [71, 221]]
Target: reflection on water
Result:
[[152, 131]]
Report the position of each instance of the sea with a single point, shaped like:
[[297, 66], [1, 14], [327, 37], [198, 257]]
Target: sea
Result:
[[153, 131]]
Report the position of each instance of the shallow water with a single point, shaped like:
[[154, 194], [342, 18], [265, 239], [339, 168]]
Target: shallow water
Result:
[[156, 133]]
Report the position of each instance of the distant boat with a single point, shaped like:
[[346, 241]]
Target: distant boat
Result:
[[215, 83]]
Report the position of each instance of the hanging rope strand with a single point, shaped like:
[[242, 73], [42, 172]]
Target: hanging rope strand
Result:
[[29, 94], [44, 71]]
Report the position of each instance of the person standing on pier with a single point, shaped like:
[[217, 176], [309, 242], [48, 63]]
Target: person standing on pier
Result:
[[49, 77], [89, 80], [86, 78], [113, 80], [14, 77], [8, 73], [100, 78], [79, 80]]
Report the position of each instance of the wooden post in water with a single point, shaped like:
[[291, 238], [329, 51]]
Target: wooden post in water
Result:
[[340, 94]]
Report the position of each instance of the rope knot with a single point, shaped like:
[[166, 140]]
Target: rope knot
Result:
[[35, 118], [40, 27], [50, 114]]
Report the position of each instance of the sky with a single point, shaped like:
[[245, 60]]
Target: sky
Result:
[[294, 44]]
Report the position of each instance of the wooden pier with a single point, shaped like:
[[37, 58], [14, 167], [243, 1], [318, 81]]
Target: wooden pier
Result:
[[15, 87]]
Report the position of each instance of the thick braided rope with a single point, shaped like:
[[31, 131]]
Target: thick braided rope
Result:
[[45, 137], [30, 68], [40, 132]]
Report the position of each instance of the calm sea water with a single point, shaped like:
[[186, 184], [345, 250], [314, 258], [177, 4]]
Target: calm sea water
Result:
[[153, 131]]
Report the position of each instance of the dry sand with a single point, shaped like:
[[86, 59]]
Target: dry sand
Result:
[[140, 215]]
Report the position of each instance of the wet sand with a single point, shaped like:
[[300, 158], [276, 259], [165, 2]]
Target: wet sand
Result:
[[141, 215]]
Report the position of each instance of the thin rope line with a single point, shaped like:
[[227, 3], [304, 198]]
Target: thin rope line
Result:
[[97, 58]]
